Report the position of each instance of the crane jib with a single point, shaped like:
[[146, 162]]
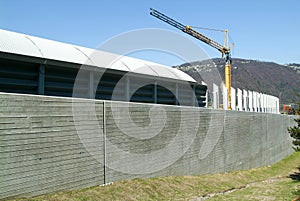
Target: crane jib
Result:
[[189, 31], [166, 19]]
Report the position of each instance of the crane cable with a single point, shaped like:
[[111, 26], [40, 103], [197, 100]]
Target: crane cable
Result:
[[210, 29], [231, 42]]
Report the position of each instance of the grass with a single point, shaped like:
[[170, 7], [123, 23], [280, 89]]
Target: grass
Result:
[[266, 183]]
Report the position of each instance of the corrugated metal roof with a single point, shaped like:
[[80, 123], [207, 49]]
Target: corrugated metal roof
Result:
[[16, 43]]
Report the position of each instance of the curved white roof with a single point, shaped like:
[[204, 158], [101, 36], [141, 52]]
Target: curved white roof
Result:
[[21, 44]]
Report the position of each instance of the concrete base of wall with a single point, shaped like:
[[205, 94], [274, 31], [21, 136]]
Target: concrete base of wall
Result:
[[50, 144]]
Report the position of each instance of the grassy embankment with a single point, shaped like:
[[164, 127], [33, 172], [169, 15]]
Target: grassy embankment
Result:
[[266, 183]]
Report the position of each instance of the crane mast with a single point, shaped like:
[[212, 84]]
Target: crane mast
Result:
[[225, 51]]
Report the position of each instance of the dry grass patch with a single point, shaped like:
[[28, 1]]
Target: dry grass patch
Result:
[[194, 187]]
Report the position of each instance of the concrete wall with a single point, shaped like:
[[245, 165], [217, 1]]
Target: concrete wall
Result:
[[49, 144], [40, 151]]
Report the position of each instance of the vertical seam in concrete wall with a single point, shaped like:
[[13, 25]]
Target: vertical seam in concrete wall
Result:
[[104, 142]]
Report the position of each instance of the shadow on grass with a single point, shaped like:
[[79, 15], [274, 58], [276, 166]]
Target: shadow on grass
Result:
[[295, 176]]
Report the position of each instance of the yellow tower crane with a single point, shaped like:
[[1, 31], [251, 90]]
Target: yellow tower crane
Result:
[[225, 50]]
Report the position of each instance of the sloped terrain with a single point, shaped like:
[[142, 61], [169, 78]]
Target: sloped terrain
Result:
[[282, 81]]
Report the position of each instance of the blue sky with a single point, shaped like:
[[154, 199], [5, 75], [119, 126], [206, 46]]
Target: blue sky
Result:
[[261, 30]]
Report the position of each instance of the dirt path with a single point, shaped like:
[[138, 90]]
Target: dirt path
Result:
[[268, 183]]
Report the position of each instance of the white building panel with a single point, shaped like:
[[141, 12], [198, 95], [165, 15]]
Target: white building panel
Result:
[[239, 100], [216, 96], [225, 99], [233, 98], [245, 100], [250, 98]]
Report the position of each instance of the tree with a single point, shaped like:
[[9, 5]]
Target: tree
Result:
[[297, 110], [294, 131]]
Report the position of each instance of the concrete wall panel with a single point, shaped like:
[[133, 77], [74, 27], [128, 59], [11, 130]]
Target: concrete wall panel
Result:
[[40, 150], [45, 148]]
